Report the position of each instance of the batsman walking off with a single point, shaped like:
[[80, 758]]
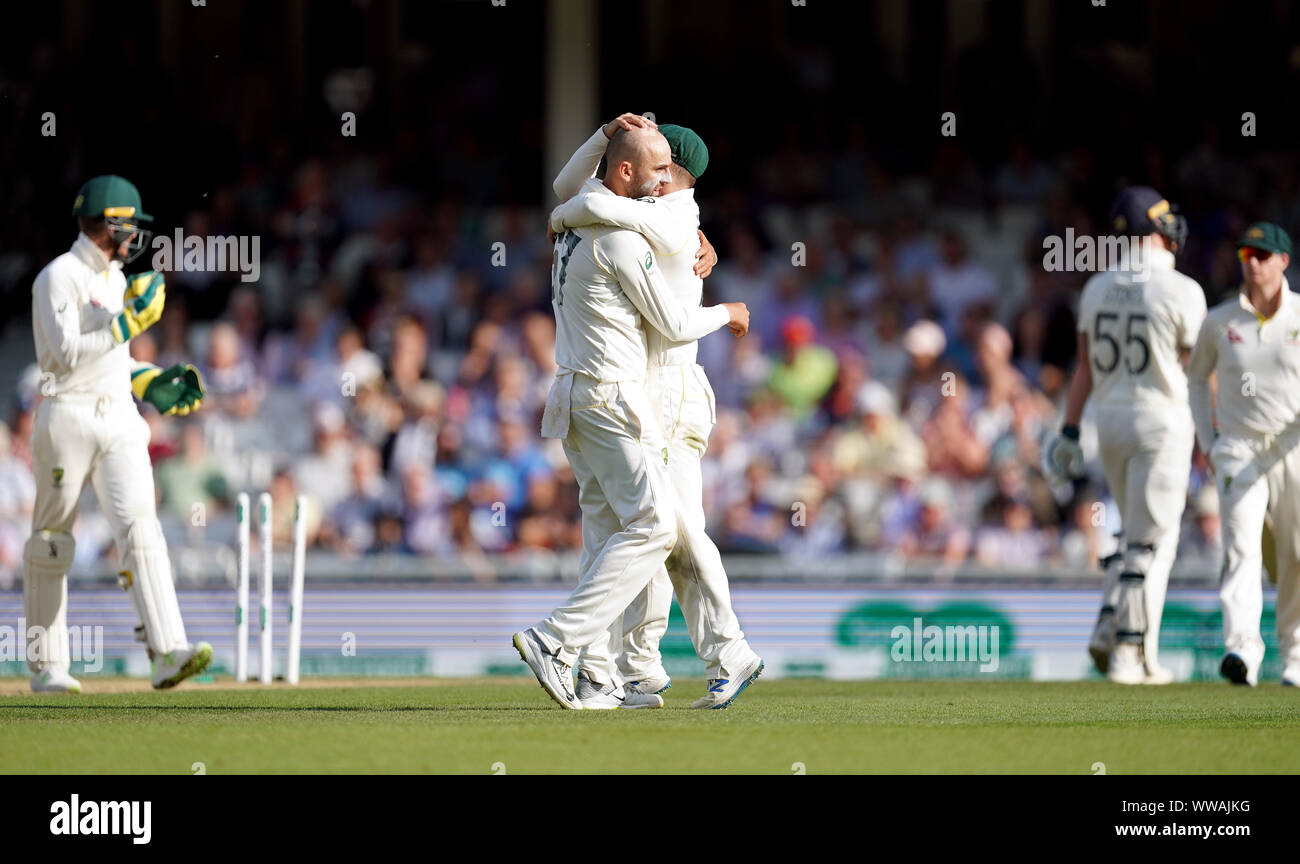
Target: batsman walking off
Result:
[[84, 312], [1250, 345], [1136, 325]]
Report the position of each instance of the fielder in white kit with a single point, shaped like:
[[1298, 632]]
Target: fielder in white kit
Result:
[[605, 282], [679, 390], [84, 312], [1251, 346], [1136, 324]]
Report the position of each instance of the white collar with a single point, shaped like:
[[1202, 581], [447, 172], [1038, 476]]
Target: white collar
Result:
[[1244, 301], [94, 257]]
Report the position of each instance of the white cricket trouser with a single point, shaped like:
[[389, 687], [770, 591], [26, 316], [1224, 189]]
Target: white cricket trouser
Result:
[[1147, 460], [1242, 507], [694, 570], [617, 454], [104, 440]]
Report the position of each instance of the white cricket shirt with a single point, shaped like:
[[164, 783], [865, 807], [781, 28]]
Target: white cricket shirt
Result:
[[669, 223], [1258, 366], [73, 300], [607, 291], [1136, 329]]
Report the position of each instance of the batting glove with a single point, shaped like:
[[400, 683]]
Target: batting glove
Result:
[[1063, 457]]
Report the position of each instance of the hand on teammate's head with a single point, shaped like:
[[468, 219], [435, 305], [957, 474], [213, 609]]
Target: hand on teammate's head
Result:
[[627, 121]]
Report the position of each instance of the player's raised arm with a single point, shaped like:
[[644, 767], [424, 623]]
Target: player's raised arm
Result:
[[582, 165], [627, 256], [667, 234]]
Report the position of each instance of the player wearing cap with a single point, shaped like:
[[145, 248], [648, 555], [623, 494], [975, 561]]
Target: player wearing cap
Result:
[[607, 292], [84, 312], [1135, 325], [1251, 345], [680, 392]]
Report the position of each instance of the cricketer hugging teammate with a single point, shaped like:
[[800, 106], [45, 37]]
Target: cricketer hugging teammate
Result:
[[634, 412]]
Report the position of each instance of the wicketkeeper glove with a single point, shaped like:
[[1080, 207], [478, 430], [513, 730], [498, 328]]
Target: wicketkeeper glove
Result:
[[1063, 457], [175, 390], [143, 302]]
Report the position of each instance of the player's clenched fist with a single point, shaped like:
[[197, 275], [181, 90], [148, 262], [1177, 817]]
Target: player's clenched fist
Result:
[[627, 121], [739, 322], [143, 302]]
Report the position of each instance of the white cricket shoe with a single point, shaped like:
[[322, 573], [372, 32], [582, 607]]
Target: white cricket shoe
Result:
[[1126, 665], [1102, 642], [723, 691], [645, 694], [555, 676], [1159, 676], [597, 697], [174, 667], [55, 680]]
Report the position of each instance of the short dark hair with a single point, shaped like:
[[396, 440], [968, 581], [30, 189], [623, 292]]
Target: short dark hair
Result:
[[681, 175]]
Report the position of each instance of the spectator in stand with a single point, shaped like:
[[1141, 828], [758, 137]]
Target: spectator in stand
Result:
[[958, 283], [882, 338], [879, 440], [284, 500], [192, 477], [1000, 384], [934, 535], [955, 450], [324, 475], [922, 386], [1010, 542], [351, 369], [1081, 542], [230, 382], [416, 442], [806, 371], [754, 523], [423, 513], [352, 521]]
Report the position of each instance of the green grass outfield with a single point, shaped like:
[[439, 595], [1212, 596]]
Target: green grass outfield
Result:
[[465, 726]]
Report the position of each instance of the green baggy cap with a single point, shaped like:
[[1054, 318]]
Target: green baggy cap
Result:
[[1266, 236], [688, 148]]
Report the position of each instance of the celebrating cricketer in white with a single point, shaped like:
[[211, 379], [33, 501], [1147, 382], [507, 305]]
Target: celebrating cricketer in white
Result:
[[605, 282], [679, 390], [84, 312]]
